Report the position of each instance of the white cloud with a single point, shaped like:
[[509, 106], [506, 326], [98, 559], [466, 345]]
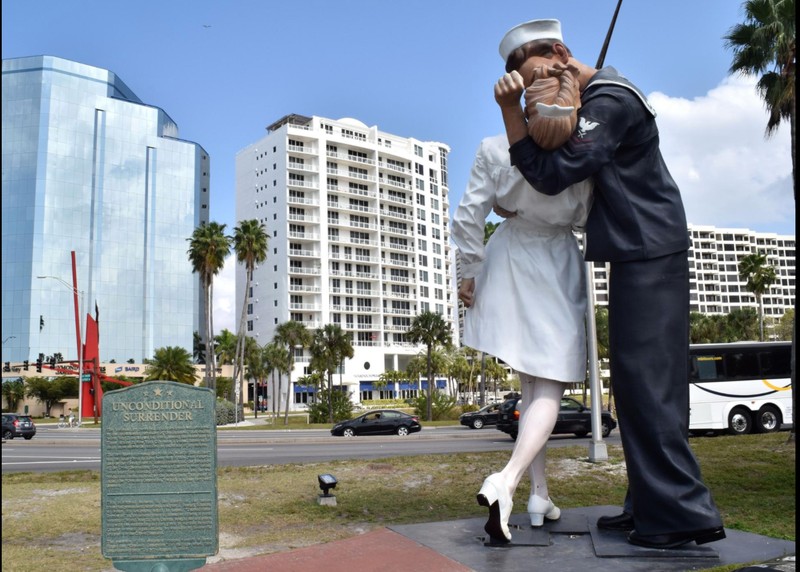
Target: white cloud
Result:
[[729, 174], [224, 303]]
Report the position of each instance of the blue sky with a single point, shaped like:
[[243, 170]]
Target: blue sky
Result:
[[425, 69]]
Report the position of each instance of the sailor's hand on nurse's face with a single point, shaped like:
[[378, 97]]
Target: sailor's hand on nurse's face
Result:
[[466, 292], [508, 89]]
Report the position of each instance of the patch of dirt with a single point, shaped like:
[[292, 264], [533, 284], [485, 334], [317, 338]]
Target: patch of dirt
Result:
[[576, 467], [59, 492], [381, 467], [72, 542]]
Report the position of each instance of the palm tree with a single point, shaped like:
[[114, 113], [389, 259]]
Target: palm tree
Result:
[[291, 334], [198, 348], [14, 392], [225, 344], [171, 363], [430, 329], [416, 367], [331, 345], [764, 45], [390, 377], [208, 248], [276, 358], [760, 275], [250, 242]]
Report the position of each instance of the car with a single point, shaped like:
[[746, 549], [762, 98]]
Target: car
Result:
[[484, 416], [574, 417], [18, 426], [378, 422]]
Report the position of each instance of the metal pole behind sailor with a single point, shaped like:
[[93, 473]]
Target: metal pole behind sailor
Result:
[[597, 448]]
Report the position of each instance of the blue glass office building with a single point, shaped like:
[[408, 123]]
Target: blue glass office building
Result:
[[88, 167]]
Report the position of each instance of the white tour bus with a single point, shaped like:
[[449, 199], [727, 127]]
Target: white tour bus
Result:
[[740, 387]]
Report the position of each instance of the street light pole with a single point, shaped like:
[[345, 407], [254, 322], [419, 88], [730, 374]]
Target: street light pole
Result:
[[80, 342]]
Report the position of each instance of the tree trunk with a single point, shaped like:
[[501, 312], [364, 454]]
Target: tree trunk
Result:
[[211, 337], [430, 378], [330, 397], [288, 395], [207, 298], [238, 367], [279, 395]]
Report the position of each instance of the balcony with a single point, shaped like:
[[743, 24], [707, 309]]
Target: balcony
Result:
[[306, 307], [304, 288], [395, 214], [303, 235], [302, 201], [296, 166], [304, 270], [303, 253], [396, 199], [395, 168], [398, 246], [349, 157], [303, 218], [300, 184]]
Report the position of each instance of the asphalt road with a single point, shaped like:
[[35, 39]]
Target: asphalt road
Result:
[[55, 449]]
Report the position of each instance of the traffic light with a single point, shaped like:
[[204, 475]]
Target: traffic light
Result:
[[25, 365], [7, 366], [39, 364]]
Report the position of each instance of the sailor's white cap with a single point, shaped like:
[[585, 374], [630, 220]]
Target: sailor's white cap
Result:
[[527, 32]]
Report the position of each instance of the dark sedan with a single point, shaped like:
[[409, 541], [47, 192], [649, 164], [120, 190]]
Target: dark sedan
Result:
[[484, 416], [378, 422], [573, 417]]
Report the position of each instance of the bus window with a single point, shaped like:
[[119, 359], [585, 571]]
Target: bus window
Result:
[[776, 363], [706, 367], [741, 365]]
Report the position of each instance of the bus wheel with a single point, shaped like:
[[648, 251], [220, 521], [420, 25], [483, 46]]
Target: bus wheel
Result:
[[768, 419], [739, 421]]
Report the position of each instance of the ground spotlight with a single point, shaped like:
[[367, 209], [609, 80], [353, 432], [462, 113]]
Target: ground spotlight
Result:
[[326, 483]]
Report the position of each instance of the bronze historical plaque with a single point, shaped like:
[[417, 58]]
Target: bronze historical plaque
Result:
[[159, 473]]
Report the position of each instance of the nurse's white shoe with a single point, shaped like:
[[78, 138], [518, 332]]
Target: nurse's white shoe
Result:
[[494, 494], [540, 509]]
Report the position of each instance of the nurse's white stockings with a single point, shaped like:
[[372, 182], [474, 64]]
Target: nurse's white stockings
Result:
[[540, 404]]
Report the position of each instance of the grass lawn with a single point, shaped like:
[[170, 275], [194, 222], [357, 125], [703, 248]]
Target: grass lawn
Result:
[[52, 520]]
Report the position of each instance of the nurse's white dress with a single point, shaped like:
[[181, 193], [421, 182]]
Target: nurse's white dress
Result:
[[530, 291]]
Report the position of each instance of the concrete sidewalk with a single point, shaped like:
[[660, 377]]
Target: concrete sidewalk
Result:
[[572, 543]]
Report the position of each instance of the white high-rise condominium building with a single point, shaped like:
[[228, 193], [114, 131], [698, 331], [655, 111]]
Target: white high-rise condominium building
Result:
[[359, 236], [715, 286]]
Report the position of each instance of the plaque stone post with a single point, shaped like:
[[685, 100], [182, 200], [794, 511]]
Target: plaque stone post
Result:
[[159, 477]]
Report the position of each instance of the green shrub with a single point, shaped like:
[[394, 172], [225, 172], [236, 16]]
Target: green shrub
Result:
[[226, 412], [443, 406], [342, 407], [469, 407]]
